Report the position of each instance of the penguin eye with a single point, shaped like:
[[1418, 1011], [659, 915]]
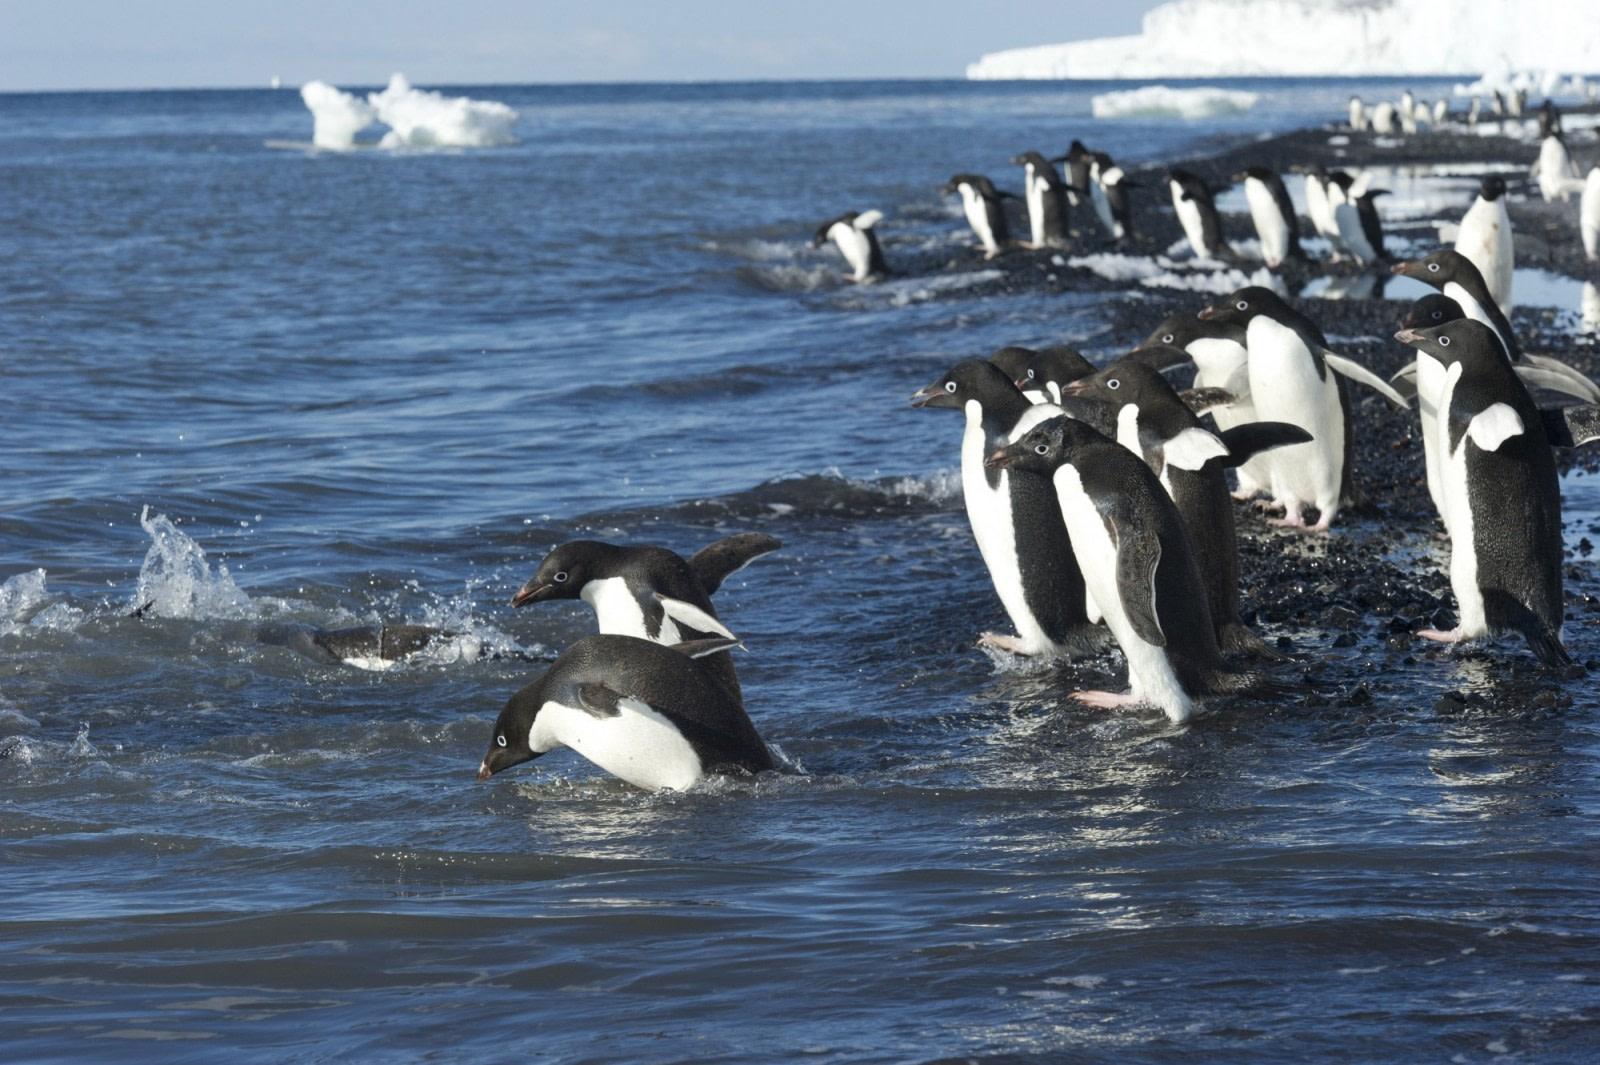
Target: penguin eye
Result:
[[1041, 449], [1030, 373], [1242, 305], [500, 740], [1444, 342], [1114, 384], [1168, 339], [1438, 315], [950, 386], [1433, 268], [560, 578]]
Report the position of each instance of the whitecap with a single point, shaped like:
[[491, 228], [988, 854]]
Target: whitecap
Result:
[[176, 581], [1163, 101]]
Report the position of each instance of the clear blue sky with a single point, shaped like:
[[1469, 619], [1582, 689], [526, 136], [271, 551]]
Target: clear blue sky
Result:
[[121, 44]]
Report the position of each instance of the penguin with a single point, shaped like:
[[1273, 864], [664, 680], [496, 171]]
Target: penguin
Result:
[[1318, 209], [1078, 161], [1485, 238], [1558, 177], [1116, 188], [1549, 119], [376, 646], [1441, 113], [648, 592], [1273, 214], [858, 242], [1218, 352], [1589, 214], [1294, 378], [1383, 119], [1013, 362], [1358, 115], [1474, 113], [1406, 110], [1051, 369], [1140, 562], [985, 213], [1356, 216], [1047, 201], [1154, 423], [1015, 519], [1197, 213], [650, 714], [1503, 502]]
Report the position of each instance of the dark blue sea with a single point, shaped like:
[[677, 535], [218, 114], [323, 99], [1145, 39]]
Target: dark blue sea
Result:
[[246, 385]]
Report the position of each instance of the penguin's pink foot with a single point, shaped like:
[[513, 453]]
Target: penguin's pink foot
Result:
[[1106, 700], [1001, 642], [1440, 636], [1268, 505]]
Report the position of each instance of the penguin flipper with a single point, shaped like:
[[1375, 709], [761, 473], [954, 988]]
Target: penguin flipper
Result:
[[1246, 441], [1192, 449], [1200, 400], [1357, 372], [1405, 380], [1572, 426], [701, 648], [599, 701], [1138, 555], [868, 219], [718, 561], [1576, 383], [1494, 425], [691, 616]]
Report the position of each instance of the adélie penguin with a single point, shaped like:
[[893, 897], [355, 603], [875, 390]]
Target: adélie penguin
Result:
[[1589, 214], [1197, 213], [1295, 378], [1076, 165], [1485, 238], [1153, 422], [857, 241], [646, 591], [1046, 196], [981, 202], [1013, 361], [1273, 213], [1502, 498], [1052, 368], [650, 714], [1558, 177], [1015, 518], [1139, 560]]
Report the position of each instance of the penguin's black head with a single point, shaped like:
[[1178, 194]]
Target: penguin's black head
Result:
[[977, 182], [1059, 364], [1433, 309], [508, 743], [1260, 173], [1034, 159], [1492, 187], [1123, 382], [1013, 362], [1442, 266], [972, 379], [564, 572], [1180, 330], [1239, 308], [1463, 340], [1045, 447]]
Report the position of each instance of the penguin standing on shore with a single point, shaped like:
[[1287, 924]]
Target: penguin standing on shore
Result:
[[1221, 361], [1197, 213], [1015, 518], [1589, 214], [1358, 115], [1502, 498], [1295, 378], [1117, 188], [1051, 369], [1273, 213], [1139, 560], [858, 242], [1046, 197], [1485, 238], [1154, 423], [1558, 177], [980, 201], [648, 592], [1076, 164], [649, 714], [1355, 216]]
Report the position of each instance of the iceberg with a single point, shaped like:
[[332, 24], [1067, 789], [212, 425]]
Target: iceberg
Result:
[[1161, 101], [416, 118], [1324, 38]]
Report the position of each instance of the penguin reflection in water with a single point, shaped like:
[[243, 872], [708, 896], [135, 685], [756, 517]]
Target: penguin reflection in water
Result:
[[651, 715], [1139, 563]]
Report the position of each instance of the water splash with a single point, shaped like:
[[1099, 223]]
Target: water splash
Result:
[[19, 595], [176, 581]]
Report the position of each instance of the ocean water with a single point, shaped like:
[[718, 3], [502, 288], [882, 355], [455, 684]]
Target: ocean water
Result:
[[248, 386]]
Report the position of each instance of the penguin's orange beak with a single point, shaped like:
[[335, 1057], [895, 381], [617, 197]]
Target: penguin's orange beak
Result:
[[1408, 336], [484, 772], [1401, 268], [532, 592]]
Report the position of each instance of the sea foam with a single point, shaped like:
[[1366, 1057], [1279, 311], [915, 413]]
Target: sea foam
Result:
[[417, 118], [1161, 101]]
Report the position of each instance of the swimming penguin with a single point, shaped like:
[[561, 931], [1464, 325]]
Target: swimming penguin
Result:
[[1077, 163], [1047, 201], [1294, 378], [648, 592], [1485, 238], [1589, 214], [1197, 213], [1139, 560], [1558, 177], [652, 715], [1155, 424], [985, 213], [1015, 519], [857, 241], [1272, 211], [375, 647], [1502, 499]]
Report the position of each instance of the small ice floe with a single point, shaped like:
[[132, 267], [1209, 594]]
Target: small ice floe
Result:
[[1162, 101], [416, 118]]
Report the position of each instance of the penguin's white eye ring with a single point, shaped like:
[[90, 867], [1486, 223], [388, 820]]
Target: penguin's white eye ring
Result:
[[1168, 339], [1242, 305], [1030, 373], [1114, 384], [560, 578], [1433, 268], [1444, 342], [500, 740], [1041, 449], [949, 386], [1438, 315]]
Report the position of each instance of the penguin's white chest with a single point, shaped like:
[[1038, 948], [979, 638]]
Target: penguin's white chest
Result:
[[637, 744], [853, 246], [977, 212], [1286, 387], [1485, 239], [989, 513], [1270, 225], [1189, 218], [1589, 214], [1455, 487], [1036, 193], [617, 611]]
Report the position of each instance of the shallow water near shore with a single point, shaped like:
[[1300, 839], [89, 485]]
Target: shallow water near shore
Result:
[[252, 387]]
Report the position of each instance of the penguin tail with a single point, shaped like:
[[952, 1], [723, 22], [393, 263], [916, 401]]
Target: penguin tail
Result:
[[1236, 639], [1505, 613]]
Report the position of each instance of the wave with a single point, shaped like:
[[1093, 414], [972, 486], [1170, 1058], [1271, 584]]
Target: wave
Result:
[[1192, 275], [1161, 101]]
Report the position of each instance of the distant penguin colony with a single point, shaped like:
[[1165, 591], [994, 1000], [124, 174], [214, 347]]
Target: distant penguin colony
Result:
[[1099, 494]]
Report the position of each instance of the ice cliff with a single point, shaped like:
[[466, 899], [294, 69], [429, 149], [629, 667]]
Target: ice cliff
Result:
[[1242, 38]]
